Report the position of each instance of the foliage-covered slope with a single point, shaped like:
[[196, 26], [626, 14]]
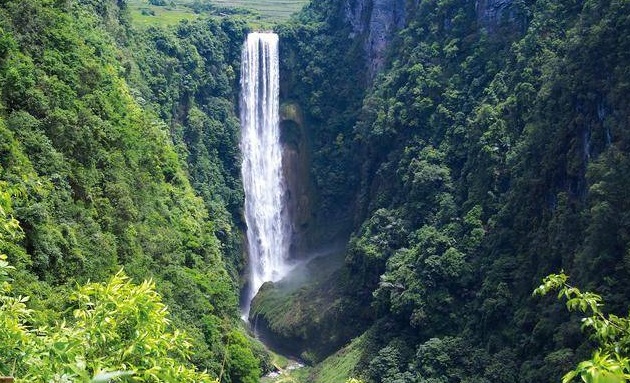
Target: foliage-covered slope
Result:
[[96, 180], [187, 76], [490, 152]]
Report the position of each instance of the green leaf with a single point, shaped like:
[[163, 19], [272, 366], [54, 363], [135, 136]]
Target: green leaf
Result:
[[104, 377], [569, 376]]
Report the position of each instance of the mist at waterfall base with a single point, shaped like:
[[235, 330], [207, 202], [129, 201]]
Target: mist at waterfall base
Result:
[[268, 224], [306, 273]]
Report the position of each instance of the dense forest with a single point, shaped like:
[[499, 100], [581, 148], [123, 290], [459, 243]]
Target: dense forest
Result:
[[458, 151], [487, 150], [119, 150]]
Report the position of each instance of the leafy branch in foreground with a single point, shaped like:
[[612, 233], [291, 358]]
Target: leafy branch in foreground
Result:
[[609, 363], [119, 329]]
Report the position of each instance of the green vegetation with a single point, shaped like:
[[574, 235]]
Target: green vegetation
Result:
[[489, 152], [107, 331], [268, 10], [145, 15], [610, 362], [97, 176], [260, 14], [117, 329], [187, 76], [305, 311], [338, 367], [324, 74]]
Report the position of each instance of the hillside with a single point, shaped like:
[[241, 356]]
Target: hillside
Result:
[[471, 148], [262, 13], [108, 162], [443, 157]]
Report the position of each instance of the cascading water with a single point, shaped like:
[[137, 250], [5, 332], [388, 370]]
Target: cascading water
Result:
[[268, 227]]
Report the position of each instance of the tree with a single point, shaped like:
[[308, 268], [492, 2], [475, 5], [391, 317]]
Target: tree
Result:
[[118, 329], [609, 363]]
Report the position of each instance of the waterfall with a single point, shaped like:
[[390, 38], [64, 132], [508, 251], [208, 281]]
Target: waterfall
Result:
[[268, 227]]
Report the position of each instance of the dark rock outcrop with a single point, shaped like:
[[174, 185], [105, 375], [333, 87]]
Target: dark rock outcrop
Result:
[[296, 168], [375, 21], [305, 314], [496, 15]]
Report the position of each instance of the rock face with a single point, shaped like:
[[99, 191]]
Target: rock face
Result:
[[494, 14], [376, 21], [304, 315], [295, 165]]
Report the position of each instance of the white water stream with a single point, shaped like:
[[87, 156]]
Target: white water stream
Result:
[[268, 226]]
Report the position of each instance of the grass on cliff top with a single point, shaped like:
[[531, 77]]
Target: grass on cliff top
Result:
[[269, 10], [263, 13], [144, 14]]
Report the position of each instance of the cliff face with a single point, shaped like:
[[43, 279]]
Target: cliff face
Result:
[[497, 14], [295, 164], [376, 21]]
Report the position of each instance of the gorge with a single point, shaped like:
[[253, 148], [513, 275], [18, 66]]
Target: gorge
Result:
[[427, 163], [467, 169]]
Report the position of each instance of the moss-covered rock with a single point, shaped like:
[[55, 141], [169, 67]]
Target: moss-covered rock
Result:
[[306, 315]]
